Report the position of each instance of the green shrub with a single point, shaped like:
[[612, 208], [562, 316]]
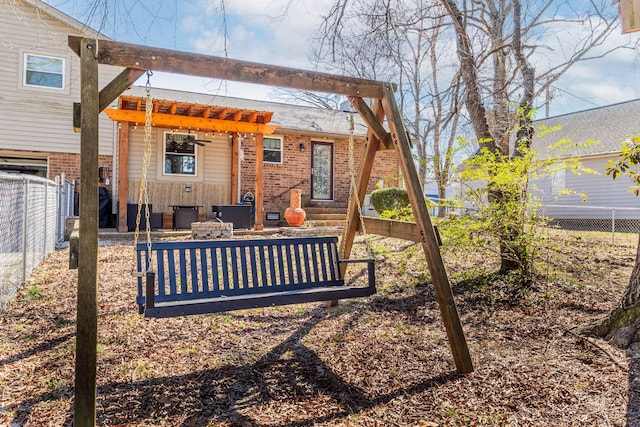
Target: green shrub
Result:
[[389, 199], [507, 209], [404, 213]]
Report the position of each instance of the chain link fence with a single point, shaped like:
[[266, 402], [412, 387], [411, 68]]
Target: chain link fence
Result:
[[593, 218], [31, 222], [606, 219]]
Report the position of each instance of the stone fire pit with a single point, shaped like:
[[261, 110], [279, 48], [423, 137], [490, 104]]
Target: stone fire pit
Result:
[[211, 229]]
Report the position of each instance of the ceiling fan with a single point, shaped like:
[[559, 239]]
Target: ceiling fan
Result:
[[191, 139]]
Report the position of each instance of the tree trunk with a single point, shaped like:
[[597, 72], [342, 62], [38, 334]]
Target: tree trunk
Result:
[[631, 296], [512, 252], [478, 115], [622, 326], [468, 70], [525, 132], [442, 194]]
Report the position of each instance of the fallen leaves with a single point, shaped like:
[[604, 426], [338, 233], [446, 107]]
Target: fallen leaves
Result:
[[383, 360]]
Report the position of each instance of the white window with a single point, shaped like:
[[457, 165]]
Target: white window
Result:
[[179, 154], [559, 182], [43, 71], [272, 150]]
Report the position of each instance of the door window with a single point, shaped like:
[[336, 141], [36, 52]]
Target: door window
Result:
[[322, 171]]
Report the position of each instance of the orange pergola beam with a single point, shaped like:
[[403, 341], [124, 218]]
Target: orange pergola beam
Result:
[[186, 122]]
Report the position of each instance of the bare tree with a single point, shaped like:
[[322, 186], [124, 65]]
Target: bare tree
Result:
[[405, 42], [505, 57], [312, 99], [497, 43]]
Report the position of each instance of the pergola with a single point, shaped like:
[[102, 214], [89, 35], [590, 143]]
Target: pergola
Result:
[[136, 59], [193, 117]]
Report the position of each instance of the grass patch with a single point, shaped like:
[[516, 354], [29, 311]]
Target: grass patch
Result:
[[34, 293]]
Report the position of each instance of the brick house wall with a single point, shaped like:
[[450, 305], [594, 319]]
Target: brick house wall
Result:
[[295, 167]]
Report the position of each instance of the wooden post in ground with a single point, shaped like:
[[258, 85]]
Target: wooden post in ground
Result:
[[84, 405], [443, 291], [259, 202], [235, 167], [123, 176]]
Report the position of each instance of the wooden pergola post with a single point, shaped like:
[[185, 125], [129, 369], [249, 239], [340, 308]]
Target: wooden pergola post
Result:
[[259, 202], [123, 175], [235, 167]]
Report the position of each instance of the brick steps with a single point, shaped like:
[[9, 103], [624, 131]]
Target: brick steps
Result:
[[325, 214], [339, 216], [324, 223]]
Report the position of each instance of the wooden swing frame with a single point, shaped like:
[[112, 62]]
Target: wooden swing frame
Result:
[[136, 60]]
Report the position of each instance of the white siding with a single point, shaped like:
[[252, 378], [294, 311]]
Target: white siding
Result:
[[136, 152], [213, 160], [601, 191], [41, 120], [211, 185], [217, 160]]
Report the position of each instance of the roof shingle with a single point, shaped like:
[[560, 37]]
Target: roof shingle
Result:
[[609, 126], [288, 116]]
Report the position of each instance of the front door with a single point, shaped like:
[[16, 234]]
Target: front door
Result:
[[321, 171]]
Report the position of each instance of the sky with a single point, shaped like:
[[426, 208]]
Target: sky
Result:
[[280, 32], [267, 31]]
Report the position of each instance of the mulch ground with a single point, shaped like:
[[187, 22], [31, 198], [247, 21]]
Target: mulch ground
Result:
[[377, 361]]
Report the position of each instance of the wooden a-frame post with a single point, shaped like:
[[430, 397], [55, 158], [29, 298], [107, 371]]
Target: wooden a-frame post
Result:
[[84, 404], [377, 139], [135, 59], [444, 294]]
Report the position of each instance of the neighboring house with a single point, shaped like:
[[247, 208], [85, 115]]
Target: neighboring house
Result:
[[39, 81], [595, 137], [303, 147]]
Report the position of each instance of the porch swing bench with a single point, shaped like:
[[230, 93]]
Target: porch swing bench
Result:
[[211, 276]]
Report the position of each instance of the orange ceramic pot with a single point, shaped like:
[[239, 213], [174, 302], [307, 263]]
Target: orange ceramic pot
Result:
[[294, 214]]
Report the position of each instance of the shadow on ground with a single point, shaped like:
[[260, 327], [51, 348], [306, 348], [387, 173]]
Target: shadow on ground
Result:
[[289, 374]]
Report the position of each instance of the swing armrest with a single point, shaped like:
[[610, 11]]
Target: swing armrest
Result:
[[371, 269], [150, 282]]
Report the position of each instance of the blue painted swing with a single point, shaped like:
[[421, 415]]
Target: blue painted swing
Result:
[[210, 276], [195, 277]]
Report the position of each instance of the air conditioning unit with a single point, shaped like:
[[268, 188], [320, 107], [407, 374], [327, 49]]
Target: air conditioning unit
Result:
[[367, 207]]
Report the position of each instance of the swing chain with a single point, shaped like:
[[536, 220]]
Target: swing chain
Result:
[[143, 194]]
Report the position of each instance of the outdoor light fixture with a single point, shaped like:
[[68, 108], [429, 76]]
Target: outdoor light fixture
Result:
[[302, 148]]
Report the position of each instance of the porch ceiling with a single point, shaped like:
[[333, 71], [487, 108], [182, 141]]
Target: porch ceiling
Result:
[[185, 115]]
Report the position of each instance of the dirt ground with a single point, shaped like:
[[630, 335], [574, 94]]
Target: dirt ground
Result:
[[378, 361]]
